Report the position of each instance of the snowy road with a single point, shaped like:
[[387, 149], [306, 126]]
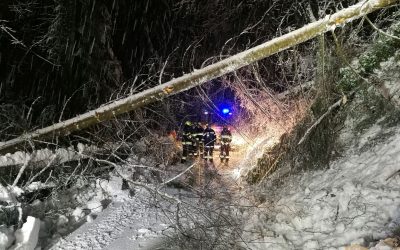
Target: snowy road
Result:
[[141, 222]]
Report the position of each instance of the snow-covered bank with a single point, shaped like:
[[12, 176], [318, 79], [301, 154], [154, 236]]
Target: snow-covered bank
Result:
[[355, 201]]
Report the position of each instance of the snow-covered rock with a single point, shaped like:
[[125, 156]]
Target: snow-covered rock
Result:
[[27, 236], [95, 206], [78, 214], [6, 237], [90, 218]]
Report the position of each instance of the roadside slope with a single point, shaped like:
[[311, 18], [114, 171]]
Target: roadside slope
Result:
[[354, 201]]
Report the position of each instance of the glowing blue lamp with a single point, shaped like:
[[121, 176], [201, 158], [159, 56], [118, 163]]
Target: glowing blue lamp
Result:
[[225, 111]]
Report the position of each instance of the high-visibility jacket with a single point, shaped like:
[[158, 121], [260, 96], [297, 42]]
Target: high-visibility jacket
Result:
[[226, 136], [198, 132], [187, 135], [209, 137]]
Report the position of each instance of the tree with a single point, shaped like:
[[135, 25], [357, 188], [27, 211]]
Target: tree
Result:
[[197, 77]]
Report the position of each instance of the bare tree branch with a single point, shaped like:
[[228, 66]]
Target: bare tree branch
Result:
[[178, 175], [330, 109], [381, 31]]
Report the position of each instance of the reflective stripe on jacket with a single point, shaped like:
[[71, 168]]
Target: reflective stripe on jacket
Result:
[[209, 137], [226, 136]]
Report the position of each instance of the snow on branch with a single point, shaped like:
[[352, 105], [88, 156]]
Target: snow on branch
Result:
[[315, 124], [177, 176]]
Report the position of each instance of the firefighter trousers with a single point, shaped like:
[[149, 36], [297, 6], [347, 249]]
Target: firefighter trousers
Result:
[[224, 153], [208, 153], [187, 147]]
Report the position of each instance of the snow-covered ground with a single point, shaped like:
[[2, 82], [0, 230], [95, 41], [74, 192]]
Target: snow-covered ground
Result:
[[144, 222], [122, 225], [354, 201]]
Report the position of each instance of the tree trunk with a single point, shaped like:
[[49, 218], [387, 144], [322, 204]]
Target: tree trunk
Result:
[[200, 76]]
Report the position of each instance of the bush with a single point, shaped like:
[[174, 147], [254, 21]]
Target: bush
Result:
[[381, 50]]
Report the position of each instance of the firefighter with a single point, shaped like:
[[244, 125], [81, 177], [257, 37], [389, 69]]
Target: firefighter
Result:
[[226, 139], [209, 138], [198, 135], [187, 141]]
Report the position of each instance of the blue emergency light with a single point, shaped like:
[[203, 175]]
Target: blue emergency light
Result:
[[225, 111]]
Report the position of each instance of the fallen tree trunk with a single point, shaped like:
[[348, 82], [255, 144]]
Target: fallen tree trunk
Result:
[[200, 76]]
